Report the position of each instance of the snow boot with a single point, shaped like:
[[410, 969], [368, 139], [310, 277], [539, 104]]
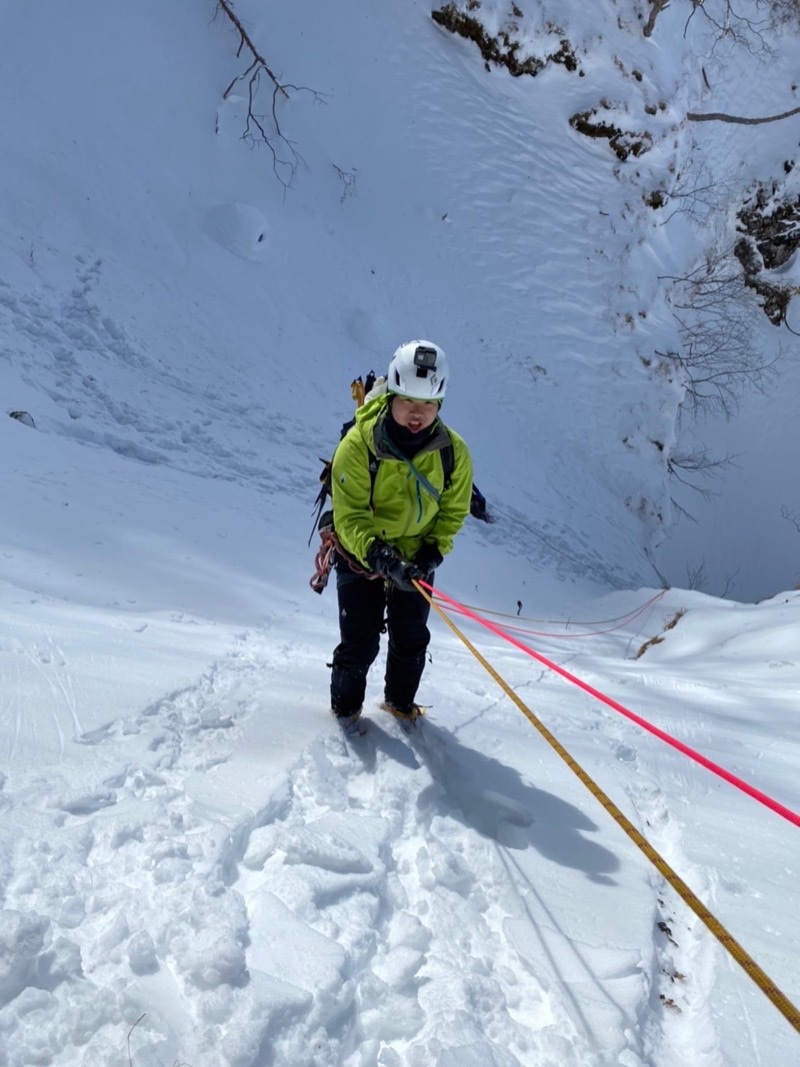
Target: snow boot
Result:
[[406, 713], [350, 722]]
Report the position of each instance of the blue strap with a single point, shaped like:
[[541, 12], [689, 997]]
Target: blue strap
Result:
[[421, 481]]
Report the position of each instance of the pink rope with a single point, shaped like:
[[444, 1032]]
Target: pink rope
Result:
[[715, 768]]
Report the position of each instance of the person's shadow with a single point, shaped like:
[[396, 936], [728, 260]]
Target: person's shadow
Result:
[[495, 800]]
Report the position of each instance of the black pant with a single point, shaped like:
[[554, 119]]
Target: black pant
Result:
[[362, 602]]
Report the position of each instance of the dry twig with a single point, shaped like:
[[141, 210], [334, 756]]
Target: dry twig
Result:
[[130, 1056], [255, 131]]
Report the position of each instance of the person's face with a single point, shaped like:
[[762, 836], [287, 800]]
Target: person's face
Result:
[[414, 415]]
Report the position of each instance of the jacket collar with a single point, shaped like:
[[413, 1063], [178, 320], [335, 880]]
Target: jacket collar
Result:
[[438, 440]]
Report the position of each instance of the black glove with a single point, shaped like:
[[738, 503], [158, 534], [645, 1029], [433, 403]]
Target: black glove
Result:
[[428, 559], [385, 560]]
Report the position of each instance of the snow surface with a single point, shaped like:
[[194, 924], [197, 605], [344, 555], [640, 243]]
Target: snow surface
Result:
[[195, 867]]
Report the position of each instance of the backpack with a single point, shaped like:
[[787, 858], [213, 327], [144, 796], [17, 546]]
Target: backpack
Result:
[[323, 518]]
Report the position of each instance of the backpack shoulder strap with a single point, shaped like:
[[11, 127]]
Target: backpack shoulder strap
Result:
[[448, 463], [374, 463], [448, 459]]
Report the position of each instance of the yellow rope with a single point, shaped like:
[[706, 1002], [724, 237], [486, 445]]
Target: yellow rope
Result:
[[726, 939]]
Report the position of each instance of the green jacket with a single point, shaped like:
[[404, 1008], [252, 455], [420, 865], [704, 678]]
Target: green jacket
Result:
[[404, 512]]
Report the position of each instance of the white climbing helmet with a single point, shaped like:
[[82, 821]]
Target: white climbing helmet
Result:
[[419, 371]]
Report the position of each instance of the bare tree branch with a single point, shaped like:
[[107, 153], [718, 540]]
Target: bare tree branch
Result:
[[697, 193], [719, 356], [718, 116], [259, 63], [731, 25], [791, 516], [730, 584], [256, 131], [683, 466], [696, 577], [656, 7], [698, 462], [349, 179]]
